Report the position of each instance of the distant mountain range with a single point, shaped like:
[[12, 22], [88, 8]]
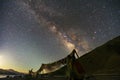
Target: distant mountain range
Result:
[[9, 72]]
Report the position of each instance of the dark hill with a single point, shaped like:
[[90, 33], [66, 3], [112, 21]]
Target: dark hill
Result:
[[102, 60]]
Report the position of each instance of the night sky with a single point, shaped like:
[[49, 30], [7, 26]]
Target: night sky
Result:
[[42, 31]]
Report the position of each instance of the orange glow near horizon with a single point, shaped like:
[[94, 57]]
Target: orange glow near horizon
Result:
[[16, 68], [1, 60], [7, 63]]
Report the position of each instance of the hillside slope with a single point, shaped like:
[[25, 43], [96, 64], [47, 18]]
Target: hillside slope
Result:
[[104, 59]]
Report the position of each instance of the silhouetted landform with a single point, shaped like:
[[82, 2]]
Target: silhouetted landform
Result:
[[9, 72], [104, 60]]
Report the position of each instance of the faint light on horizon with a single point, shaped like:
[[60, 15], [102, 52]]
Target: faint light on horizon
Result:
[[1, 60], [6, 60]]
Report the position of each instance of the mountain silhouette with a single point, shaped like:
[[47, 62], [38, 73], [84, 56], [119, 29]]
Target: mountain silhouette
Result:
[[102, 60], [9, 72]]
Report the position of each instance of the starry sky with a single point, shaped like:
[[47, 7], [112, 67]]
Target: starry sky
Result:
[[33, 32]]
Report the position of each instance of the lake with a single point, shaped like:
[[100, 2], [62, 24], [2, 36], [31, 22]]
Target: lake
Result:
[[4, 76]]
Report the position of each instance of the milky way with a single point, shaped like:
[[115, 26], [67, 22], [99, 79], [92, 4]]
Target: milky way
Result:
[[68, 20], [33, 32], [69, 37]]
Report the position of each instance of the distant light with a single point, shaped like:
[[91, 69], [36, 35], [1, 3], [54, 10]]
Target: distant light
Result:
[[1, 60]]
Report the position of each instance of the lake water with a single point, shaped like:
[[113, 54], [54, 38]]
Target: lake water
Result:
[[4, 76]]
